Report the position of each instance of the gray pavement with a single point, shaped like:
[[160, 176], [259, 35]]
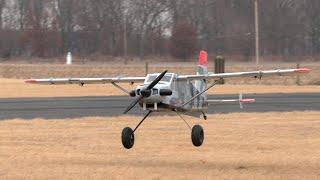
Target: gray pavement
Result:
[[77, 107]]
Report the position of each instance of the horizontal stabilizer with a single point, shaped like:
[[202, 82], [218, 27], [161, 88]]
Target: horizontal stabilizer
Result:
[[241, 101]]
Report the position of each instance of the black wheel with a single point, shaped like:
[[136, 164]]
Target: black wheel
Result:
[[197, 135], [127, 137]]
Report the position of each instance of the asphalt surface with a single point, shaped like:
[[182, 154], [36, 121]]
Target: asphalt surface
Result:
[[77, 107]]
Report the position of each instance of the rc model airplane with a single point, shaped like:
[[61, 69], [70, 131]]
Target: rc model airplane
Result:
[[164, 92]]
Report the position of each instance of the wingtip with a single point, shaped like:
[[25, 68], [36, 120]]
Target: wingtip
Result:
[[247, 100], [30, 81], [303, 70]]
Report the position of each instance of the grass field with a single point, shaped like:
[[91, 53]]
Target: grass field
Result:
[[17, 88], [237, 146]]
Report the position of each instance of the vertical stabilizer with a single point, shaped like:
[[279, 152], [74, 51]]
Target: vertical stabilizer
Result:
[[202, 63], [202, 69]]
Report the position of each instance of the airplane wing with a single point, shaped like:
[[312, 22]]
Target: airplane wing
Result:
[[83, 81], [256, 74]]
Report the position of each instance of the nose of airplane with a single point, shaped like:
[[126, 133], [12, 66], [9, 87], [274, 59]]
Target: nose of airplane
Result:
[[145, 92]]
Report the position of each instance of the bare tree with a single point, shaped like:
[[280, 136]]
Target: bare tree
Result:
[[183, 40], [65, 13], [108, 27], [23, 8], [2, 5], [145, 14]]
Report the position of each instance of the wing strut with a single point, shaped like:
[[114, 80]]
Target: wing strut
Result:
[[194, 97], [121, 88]]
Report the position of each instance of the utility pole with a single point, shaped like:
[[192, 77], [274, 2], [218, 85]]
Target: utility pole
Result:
[[256, 17], [125, 43], [125, 40]]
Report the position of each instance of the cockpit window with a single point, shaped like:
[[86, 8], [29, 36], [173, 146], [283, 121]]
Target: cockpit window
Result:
[[165, 78]]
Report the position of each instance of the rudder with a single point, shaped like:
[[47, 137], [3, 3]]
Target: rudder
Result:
[[202, 69]]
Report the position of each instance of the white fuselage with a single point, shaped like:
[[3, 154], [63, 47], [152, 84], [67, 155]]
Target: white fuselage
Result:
[[182, 91]]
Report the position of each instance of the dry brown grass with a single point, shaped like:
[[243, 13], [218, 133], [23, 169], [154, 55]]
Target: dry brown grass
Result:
[[237, 146], [17, 88]]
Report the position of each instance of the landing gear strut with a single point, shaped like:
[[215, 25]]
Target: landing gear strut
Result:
[[127, 135], [197, 133]]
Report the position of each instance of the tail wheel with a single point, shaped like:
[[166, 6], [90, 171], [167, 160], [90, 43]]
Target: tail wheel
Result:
[[127, 137], [197, 135]]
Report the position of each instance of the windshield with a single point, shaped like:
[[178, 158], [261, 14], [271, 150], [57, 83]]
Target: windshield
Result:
[[165, 78]]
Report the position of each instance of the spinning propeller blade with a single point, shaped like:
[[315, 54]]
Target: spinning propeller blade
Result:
[[132, 104], [150, 86], [157, 80]]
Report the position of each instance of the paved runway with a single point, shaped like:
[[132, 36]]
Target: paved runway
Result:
[[77, 107]]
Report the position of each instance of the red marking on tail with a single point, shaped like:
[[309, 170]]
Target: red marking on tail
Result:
[[303, 70], [203, 58]]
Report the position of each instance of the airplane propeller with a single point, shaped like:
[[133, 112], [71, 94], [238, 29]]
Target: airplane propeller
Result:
[[145, 92]]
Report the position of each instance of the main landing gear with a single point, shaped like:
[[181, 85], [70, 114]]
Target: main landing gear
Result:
[[197, 135], [127, 136]]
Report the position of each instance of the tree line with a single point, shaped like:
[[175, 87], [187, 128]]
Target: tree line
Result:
[[50, 28]]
